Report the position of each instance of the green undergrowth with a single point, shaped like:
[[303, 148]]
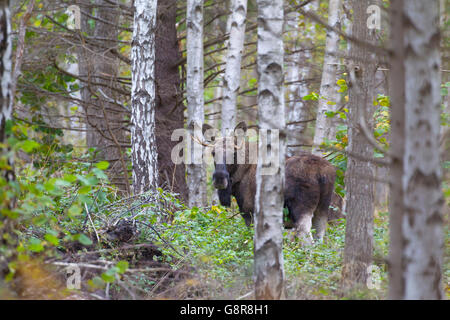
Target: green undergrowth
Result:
[[219, 247]]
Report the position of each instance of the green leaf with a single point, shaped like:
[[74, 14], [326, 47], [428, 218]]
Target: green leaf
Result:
[[29, 145], [84, 239], [122, 266], [74, 210], [99, 173], [52, 239], [35, 245], [102, 165], [109, 275]]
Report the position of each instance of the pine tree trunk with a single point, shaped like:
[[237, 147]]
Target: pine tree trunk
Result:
[[415, 262], [232, 77], [329, 96], [169, 106], [359, 175], [106, 119], [143, 140], [269, 270], [196, 174]]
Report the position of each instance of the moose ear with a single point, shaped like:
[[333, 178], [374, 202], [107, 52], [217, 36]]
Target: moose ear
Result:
[[241, 125]]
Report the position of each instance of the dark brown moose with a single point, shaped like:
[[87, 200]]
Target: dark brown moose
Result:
[[308, 192]]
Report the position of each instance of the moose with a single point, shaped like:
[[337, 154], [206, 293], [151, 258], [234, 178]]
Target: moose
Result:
[[308, 192]]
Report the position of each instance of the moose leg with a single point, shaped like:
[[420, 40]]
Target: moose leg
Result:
[[319, 223], [321, 213], [303, 227]]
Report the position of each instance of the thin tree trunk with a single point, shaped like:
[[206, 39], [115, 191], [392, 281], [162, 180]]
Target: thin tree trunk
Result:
[[196, 174], [143, 140], [359, 175], [6, 203], [416, 196], [169, 108], [105, 119], [329, 96], [232, 77], [298, 70], [6, 105], [268, 241]]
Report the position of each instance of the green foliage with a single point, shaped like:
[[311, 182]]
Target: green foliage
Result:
[[52, 192], [220, 248]]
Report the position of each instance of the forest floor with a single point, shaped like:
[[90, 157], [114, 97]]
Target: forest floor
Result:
[[147, 249]]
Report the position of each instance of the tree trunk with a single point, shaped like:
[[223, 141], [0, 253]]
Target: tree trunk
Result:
[[6, 172], [5, 68], [359, 175], [169, 106], [268, 241], [329, 96], [196, 174], [143, 140], [232, 77], [416, 223], [107, 117], [298, 70]]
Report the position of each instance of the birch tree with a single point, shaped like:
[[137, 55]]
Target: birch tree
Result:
[[269, 200], [196, 174], [359, 175], [416, 200], [6, 168], [143, 140], [232, 77], [6, 98], [329, 95], [296, 74]]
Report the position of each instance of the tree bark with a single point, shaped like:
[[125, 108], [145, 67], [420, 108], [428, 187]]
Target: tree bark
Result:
[[359, 175], [269, 200], [415, 261], [143, 140], [7, 169], [232, 77], [196, 174], [169, 106], [329, 96], [298, 71], [106, 117]]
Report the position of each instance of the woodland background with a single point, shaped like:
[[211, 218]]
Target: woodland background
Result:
[[70, 202]]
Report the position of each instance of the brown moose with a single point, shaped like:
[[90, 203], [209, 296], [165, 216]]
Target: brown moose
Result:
[[308, 192]]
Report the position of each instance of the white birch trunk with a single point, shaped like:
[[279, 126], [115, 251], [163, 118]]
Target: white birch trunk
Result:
[[6, 97], [6, 224], [296, 73], [143, 140], [6, 104], [232, 77], [269, 270], [329, 95], [196, 174], [417, 201]]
